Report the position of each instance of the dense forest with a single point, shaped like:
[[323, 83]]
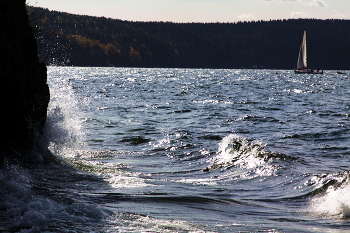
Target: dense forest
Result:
[[79, 40]]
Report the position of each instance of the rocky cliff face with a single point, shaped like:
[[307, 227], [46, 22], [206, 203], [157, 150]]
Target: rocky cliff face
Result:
[[24, 94]]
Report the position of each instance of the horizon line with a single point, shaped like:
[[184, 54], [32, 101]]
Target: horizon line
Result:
[[198, 22]]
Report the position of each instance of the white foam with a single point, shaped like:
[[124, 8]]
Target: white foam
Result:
[[127, 222], [237, 151], [26, 207], [335, 203], [41, 212], [113, 174]]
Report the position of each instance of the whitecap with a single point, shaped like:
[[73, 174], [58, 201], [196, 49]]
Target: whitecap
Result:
[[335, 202]]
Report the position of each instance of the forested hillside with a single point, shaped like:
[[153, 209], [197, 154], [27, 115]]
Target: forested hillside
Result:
[[68, 39]]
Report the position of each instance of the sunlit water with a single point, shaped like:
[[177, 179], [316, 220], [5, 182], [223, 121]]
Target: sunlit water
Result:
[[188, 150]]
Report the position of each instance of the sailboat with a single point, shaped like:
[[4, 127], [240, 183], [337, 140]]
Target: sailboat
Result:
[[302, 60]]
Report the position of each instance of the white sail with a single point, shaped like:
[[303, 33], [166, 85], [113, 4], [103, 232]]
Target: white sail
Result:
[[302, 59]]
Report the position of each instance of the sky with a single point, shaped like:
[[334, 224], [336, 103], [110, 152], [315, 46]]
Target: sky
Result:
[[201, 10]]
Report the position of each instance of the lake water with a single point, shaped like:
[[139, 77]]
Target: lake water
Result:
[[188, 150]]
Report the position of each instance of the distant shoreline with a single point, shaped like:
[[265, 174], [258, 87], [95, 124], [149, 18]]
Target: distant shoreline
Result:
[[68, 39]]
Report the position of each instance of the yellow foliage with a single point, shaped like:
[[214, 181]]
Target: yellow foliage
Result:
[[134, 55]]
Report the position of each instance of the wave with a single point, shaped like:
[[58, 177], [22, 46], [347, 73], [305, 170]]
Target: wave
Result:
[[252, 157], [37, 201], [259, 119], [331, 195], [37, 198], [45, 198], [129, 222]]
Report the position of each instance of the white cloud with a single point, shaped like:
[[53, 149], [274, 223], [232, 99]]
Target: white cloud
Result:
[[299, 14], [275, 1], [245, 16], [310, 3], [314, 3], [338, 15]]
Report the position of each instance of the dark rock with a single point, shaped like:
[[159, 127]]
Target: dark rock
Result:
[[24, 94]]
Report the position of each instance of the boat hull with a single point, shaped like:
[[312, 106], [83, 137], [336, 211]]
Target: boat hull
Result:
[[308, 71]]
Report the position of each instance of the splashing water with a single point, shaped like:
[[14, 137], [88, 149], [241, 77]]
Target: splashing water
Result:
[[236, 151], [64, 132], [335, 202], [136, 142]]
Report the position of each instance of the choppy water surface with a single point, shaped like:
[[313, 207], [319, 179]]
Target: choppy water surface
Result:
[[188, 150]]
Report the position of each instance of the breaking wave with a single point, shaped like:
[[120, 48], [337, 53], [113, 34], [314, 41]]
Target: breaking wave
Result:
[[64, 132], [332, 195], [35, 199], [250, 157]]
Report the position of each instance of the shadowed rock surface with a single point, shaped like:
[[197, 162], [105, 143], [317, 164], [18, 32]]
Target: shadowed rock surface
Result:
[[24, 93]]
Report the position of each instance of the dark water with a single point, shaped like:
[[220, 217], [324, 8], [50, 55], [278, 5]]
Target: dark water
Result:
[[188, 150]]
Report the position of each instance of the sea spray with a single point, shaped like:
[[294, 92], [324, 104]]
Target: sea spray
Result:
[[64, 132], [233, 197], [238, 152], [37, 199], [335, 200]]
